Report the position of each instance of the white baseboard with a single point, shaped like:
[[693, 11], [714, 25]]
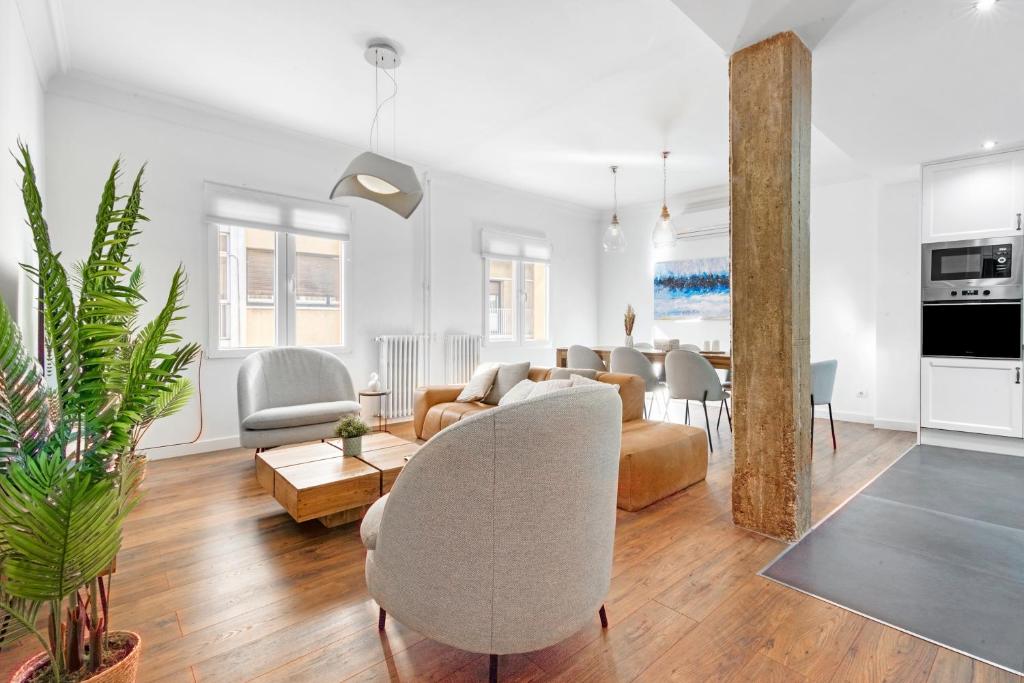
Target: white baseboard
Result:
[[898, 425], [223, 443], [973, 442], [822, 413], [201, 446]]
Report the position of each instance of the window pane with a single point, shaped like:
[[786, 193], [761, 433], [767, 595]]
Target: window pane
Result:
[[318, 278], [501, 294], [535, 303], [247, 287]]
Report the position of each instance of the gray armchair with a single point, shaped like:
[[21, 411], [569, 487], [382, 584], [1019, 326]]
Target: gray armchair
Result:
[[632, 362], [497, 537], [583, 357], [292, 394], [823, 381], [690, 377]]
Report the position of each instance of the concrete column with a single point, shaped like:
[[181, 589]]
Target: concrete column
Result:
[[769, 177]]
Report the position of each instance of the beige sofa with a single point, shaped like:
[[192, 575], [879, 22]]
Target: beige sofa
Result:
[[656, 459]]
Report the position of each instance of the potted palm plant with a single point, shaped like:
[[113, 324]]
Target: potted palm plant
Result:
[[70, 469], [351, 430]]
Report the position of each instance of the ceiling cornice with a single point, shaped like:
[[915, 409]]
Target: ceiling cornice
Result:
[[43, 22]]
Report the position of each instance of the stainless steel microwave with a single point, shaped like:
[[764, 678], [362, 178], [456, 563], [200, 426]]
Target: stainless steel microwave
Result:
[[973, 270]]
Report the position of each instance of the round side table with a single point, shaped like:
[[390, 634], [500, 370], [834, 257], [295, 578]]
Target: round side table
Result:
[[382, 418]]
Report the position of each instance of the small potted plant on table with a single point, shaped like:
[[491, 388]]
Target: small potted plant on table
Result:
[[351, 430]]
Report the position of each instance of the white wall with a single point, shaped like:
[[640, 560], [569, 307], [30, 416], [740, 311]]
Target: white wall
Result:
[[844, 219], [89, 125], [21, 116], [898, 321], [863, 292]]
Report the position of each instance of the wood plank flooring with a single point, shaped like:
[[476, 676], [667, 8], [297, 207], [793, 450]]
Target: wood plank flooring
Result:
[[224, 586]]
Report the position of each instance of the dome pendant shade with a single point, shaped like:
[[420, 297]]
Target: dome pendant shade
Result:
[[390, 183]]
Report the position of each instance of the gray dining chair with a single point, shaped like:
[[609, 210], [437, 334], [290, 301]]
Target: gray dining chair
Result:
[[644, 346], [823, 381], [689, 347], [584, 358], [690, 377], [633, 362]]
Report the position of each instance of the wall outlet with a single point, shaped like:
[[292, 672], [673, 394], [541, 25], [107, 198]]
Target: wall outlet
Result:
[[862, 394]]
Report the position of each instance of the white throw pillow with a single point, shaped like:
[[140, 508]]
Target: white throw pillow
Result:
[[519, 392], [479, 384], [581, 381], [546, 387]]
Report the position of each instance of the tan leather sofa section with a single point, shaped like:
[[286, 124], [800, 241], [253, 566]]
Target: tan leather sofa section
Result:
[[657, 458]]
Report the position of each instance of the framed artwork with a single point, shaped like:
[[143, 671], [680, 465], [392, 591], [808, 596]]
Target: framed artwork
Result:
[[692, 289]]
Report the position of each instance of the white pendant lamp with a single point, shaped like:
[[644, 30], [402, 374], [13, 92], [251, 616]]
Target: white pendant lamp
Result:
[[664, 234], [371, 175], [614, 240]]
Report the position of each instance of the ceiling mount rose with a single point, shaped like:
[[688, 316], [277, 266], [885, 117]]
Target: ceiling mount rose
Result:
[[382, 55]]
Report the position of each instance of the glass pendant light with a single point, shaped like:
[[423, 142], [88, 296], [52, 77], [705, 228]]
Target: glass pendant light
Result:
[[614, 240], [664, 234]]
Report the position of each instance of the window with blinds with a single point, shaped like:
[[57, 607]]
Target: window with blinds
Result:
[[278, 265]]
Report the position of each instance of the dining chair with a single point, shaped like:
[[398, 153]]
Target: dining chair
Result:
[[631, 361], [689, 347], [644, 346], [823, 381], [583, 357], [690, 377]]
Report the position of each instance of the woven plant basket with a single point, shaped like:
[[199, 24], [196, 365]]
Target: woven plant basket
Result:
[[124, 671]]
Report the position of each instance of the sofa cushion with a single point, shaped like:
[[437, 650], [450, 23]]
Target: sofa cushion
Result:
[[519, 392], [444, 415], [581, 381], [479, 384], [566, 373], [508, 376], [300, 415]]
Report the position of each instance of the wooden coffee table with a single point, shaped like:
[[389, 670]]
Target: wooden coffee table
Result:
[[315, 481]]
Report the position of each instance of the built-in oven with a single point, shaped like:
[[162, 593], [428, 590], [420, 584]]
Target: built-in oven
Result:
[[972, 270], [989, 329]]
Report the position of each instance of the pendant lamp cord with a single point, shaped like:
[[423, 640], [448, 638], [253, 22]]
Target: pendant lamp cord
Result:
[[615, 190], [374, 126], [664, 178]]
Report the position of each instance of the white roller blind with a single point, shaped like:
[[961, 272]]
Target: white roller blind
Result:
[[226, 204], [512, 245]]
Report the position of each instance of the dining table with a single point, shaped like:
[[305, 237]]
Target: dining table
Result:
[[720, 360]]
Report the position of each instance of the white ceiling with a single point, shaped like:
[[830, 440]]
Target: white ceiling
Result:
[[544, 95]]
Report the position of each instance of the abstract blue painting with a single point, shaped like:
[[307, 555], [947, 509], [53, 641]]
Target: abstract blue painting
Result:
[[694, 289]]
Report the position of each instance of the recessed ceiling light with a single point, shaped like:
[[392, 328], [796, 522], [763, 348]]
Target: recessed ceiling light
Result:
[[985, 5], [988, 144]]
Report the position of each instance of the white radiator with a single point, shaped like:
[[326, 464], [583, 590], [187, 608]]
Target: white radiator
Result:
[[461, 356], [403, 367]]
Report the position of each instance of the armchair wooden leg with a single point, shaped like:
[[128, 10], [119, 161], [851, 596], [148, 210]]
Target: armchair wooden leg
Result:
[[494, 669], [381, 618], [604, 617]]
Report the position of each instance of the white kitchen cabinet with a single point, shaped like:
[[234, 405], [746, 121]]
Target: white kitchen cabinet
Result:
[[973, 198], [968, 395]]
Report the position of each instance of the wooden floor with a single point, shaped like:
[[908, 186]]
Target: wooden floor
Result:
[[224, 586]]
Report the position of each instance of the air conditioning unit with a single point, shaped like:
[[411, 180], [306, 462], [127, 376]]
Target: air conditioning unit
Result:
[[703, 218]]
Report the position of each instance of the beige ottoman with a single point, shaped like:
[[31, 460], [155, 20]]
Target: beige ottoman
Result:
[[657, 460]]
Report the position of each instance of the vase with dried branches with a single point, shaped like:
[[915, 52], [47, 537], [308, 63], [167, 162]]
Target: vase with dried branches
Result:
[[630, 320]]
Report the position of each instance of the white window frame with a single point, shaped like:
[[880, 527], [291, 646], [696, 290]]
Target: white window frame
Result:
[[284, 271], [519, 307]]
